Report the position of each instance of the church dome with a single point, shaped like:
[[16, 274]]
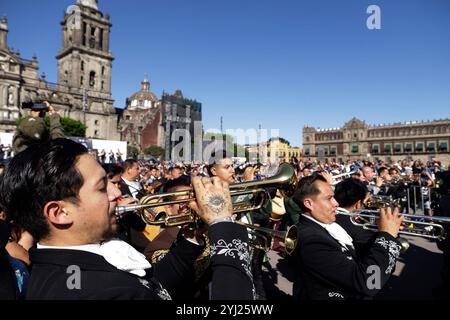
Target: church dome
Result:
[[144, 98]]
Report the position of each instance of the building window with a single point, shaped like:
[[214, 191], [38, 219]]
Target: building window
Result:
[[92, 78], [430, 147], [408, 147], [96, 122], [387, 148], [82, 65], [398, 148], [100, 42], [333, 150], [375, 149], [307, 152], [354, 149], [127, 117], [95, 132], [419, 147], [103, 71], [81, 80], [443, 146], [84, 33], [103, 84]]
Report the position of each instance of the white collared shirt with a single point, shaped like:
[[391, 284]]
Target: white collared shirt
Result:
[[117, 252], [336, 231]]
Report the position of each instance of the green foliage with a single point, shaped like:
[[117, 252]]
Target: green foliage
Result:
[[154, 151], [71, 127], [281, 140], [132, 151]]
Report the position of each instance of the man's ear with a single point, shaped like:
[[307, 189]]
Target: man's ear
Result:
[[308, 203], [57, 213], [213, 170]]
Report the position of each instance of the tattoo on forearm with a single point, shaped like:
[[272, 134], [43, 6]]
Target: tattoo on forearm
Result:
[[215, 203]]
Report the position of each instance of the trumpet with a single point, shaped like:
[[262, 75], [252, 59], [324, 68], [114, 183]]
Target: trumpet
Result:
[[289, 237], [415, 225], [379, 201], [339, 177], [284, 180]]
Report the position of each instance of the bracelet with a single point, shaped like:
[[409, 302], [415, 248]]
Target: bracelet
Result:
[[225, 219]]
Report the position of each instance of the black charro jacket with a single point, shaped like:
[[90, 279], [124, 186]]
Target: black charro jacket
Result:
[[52, 277], [327, 271]]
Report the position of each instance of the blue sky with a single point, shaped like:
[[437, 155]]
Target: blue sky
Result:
[[279, 64]]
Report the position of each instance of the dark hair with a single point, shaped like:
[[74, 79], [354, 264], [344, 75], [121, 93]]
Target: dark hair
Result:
[[391, 170], [217, 156], [381, 170], [183, 181], [128, 164], [42, 173], [349, 191], [112, 169], [307, 188]]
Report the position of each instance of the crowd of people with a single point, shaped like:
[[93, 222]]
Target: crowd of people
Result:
[[92, 230]]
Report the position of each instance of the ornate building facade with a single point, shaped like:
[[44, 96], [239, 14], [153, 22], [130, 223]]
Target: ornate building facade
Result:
[[397, 141], [148, 121], [141, 121], [83, 88], [181, 119], [274, 151]]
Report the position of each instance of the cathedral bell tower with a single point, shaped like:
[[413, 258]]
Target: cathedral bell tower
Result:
[[85, 62]]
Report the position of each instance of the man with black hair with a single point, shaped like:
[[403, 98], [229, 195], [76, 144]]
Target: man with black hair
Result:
[[224, 170], [70, 212], [352, 194], [329, 267], [131, 225]]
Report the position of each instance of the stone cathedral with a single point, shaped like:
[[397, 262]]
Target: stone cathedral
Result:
[[83, 88]]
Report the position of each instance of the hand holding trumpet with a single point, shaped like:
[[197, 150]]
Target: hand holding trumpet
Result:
[[390, 221], [213, 200]]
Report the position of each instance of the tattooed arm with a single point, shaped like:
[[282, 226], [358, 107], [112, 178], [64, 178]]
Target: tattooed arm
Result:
[[230, 260], [213, 199]]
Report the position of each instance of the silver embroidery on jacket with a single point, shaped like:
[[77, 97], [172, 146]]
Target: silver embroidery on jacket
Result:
[[394, 251], [236, 249]]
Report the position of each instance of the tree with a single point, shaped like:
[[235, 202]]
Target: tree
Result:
[[71, 127], [282, 140], [132, 152], [154, 151]]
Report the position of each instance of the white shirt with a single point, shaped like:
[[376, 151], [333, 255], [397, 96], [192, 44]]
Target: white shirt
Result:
[[134, 186], [336, 231], [117, 252]]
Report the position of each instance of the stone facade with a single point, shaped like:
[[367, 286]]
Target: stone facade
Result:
[[179, 112], [397, 141], [83, 90], [149, 121], [141, 121]]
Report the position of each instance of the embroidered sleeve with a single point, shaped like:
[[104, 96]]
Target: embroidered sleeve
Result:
[[230, 253], [393, 251], [235, 249]]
